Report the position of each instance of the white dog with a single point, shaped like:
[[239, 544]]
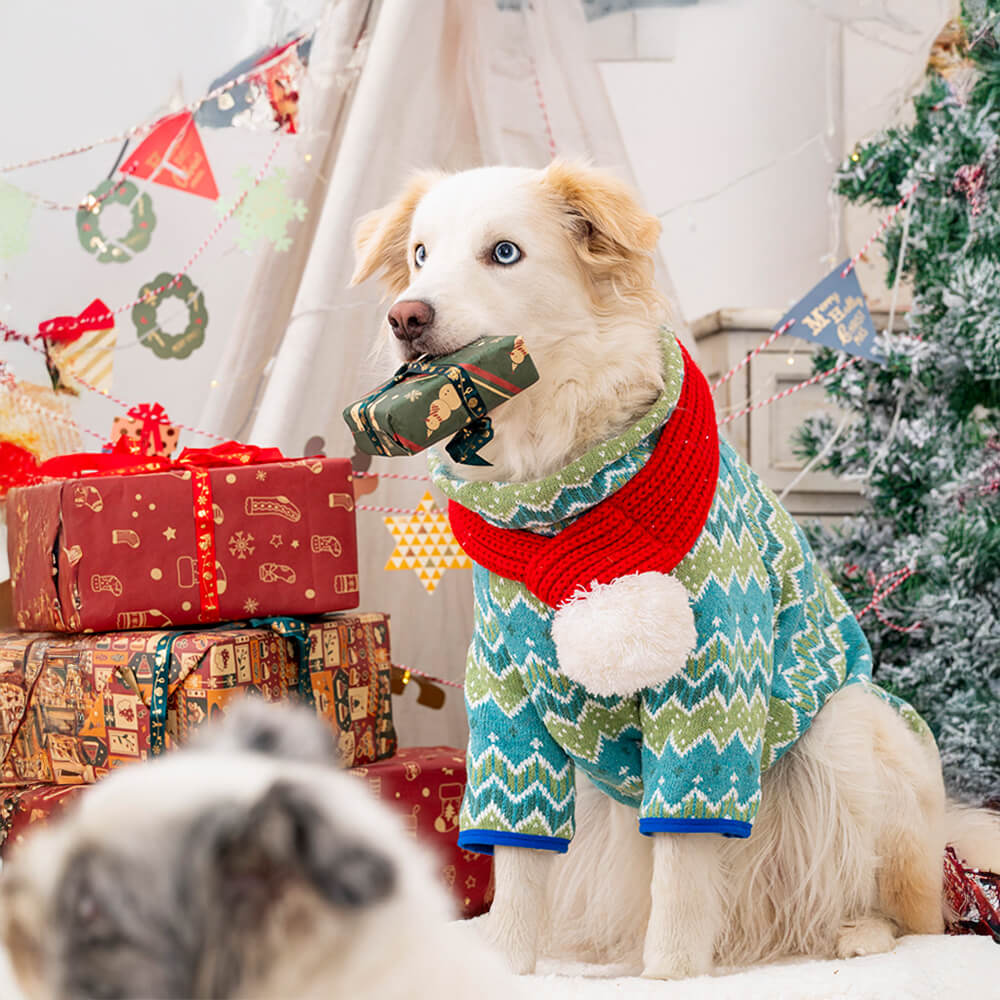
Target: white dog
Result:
[[248, 866], [849, 825]]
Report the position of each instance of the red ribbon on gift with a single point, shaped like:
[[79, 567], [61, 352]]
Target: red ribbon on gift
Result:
[[18, 467], [125, 459]]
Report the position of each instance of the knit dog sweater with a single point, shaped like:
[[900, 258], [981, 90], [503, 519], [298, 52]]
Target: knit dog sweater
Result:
[[774, 640]]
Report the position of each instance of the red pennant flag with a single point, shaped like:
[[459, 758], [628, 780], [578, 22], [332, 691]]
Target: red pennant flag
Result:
[[66, 329], [172, 155]]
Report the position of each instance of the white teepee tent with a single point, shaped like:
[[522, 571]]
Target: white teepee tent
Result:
[[416, 83]]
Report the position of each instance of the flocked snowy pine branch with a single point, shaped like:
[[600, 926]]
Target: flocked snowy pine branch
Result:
[[924, 439]]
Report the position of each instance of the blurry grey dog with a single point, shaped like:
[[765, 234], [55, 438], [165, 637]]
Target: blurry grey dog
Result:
[[243, 866]]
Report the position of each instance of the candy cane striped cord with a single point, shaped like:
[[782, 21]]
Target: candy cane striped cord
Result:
[[430, 677], [787, 392], [399, 510], [898, 576], [137, 130], [391, 475], [787, 325], [893, 212], [8, 380], [553, 151], [90, 202], [763, 345], [10, 334]]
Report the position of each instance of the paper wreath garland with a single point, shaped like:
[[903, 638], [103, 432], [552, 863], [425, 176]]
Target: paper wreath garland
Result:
[[117, 249], [144, 315]]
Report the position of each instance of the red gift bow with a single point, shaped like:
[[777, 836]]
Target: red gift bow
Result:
[[67, 329]]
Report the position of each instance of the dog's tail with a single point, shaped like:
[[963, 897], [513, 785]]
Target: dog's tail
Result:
[[975, 835]]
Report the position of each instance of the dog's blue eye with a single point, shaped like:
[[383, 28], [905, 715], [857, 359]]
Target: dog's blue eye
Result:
[[506, 252], [420, 255]]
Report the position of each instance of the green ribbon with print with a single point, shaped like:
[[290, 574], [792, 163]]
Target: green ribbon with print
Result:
[[296, 632], [159, 699]]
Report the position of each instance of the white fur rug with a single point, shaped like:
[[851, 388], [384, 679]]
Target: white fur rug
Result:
[[921, 968]]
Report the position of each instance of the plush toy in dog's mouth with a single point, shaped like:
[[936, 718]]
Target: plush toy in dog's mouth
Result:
[[431, 398]]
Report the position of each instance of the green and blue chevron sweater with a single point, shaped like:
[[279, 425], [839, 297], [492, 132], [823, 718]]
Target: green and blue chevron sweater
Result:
[[774, 640]]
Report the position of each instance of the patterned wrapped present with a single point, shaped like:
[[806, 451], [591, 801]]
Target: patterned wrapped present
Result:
[[72, 708], [426, 784], [430, 399], [218, 535]]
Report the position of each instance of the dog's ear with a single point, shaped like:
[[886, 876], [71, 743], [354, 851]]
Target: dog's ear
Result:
[[285, 730], [283, 838], [603, 211], [381, 238]]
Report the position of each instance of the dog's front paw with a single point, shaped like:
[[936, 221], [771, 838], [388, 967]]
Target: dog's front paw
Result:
[[618, 638], [867, 936], [518, 949], [672, 965]]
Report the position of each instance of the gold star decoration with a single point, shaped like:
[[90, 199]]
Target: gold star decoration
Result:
[[425, 544], [170, 534]]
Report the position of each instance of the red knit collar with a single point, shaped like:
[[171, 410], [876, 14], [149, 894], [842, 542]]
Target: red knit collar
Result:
[[650, 524]]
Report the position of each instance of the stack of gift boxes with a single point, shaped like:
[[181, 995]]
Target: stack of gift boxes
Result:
[[150, 592]]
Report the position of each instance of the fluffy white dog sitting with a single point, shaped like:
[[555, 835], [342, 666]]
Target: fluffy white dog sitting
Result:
[[648, 614], [248, 866]]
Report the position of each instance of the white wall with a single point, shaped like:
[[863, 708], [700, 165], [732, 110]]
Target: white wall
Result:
[[735, 114]]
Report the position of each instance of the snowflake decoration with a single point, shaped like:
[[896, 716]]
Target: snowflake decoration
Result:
[[241, 544], [261, 475], [15, 214], [266, 211], [250, 606]]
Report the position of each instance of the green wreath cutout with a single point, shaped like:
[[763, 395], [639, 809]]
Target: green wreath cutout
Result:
[[115, 192], [147, 328]]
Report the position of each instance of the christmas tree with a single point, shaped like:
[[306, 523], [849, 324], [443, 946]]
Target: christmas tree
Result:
[[921, 434]]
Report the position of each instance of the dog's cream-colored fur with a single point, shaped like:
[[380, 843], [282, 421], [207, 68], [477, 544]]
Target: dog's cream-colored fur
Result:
[[847, 848]]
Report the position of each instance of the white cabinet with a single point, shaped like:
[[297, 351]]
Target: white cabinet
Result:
[[764, 437]]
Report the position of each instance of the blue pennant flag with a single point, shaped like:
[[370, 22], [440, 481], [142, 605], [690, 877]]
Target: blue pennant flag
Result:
[[835, 313]]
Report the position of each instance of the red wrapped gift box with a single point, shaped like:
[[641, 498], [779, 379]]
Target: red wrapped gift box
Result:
[[73, 708], [21, 807], [196, 543], [426, 784]]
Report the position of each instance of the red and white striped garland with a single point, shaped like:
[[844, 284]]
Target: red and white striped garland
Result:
[[137, 130]]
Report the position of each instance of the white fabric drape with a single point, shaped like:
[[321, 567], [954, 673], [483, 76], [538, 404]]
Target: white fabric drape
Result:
[[445, 83]]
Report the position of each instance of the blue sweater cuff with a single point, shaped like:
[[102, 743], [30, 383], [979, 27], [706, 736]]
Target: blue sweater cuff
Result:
[[727, 827], [483, 841]]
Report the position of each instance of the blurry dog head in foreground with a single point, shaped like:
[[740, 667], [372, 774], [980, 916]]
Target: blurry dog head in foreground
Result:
[[243, 866]]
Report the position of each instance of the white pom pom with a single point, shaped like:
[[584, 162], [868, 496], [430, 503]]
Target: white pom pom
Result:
[[620, 637]]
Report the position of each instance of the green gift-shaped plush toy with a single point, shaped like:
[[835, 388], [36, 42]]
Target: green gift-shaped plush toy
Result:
[[430, 399]]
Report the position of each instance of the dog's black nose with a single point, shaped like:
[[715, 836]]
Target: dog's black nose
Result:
[[410, 318]]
